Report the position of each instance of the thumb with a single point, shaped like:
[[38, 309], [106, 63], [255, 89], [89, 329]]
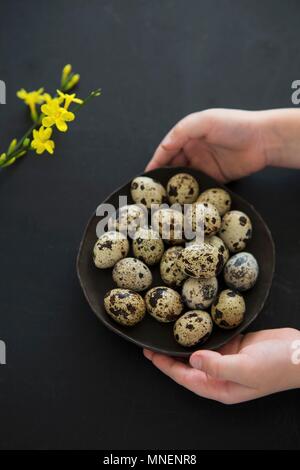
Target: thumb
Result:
[[237, 368]]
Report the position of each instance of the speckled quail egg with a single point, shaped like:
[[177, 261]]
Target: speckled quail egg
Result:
[[203, 216], [241, 271], [125, 306], [129, 218], [110, 248], [131, 273], [199, 293], [170, 271], [228, 310], [200, 261], [164, 304], [220, 198], [147, 191], [218, 243], [193, 327], [182, 189], [236, 230], [170, 225], [147, 246]]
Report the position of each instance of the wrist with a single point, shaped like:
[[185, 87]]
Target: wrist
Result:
[[295, 361], [291, 369], [280, 135]]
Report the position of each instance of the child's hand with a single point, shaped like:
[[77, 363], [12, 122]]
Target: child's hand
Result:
[[226, 144], [248, 367]]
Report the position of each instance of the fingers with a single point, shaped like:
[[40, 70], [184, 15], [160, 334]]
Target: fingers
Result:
[[179, 159], [192, 379], [193, 126], [176, 370], [199, 382], [238, 368]]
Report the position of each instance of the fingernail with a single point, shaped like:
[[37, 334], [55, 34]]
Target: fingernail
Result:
[[148, 354], [196, 362]]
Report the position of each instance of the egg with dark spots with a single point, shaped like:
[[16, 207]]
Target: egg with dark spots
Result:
[[170, 225], [193, 327], [218, 197], [236, 230], [200, 261], [170, 271], [228, 310], [203, 218], [216, 241], [220, 245], [241, 271], [129, 218], [125, 306], [164, 304], [131, 273], [182, 189], [109, 249], [147, 191], [199, 293], [147, 246]]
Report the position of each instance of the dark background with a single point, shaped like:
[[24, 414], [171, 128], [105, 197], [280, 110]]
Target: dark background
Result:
[[69, 382]]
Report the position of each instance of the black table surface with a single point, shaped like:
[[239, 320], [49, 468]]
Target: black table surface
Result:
[[69, 382]]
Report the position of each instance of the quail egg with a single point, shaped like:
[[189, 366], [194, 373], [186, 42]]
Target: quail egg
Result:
[[129, 218], [241, 271], [204, 217], [236, 230], [170, 271], [110, 248], [228, 310], [170, 225], [147, 191], [131, 273], [182, 189], [218, 243], [164, 304], [124, 306], [193, 327], [218, 197], [200, 261], [147, 246], [199, 293]]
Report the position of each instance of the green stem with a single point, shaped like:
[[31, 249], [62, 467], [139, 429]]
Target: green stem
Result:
[[92, 95], [34, 125]]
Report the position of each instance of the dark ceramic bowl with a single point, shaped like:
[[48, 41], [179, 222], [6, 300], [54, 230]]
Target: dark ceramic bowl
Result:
[[149, 333]]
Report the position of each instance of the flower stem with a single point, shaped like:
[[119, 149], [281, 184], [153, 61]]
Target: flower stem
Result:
[[92, 95]]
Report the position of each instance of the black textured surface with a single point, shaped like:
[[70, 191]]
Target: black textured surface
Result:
[[68, 382]]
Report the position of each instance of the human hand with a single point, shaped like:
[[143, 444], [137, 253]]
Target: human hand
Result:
[[248, 367], [225, 143]]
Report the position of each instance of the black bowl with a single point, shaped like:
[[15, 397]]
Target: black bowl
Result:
[[149, 333]]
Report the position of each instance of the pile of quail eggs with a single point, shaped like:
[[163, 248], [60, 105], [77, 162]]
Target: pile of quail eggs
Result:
[[190, 271]]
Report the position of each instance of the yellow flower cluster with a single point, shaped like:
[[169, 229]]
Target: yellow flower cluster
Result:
[[32, 98], [46, 112]]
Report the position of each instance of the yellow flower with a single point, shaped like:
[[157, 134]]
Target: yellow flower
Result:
[[31, 98], [69, 98], [56, 115], [41, 140]]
